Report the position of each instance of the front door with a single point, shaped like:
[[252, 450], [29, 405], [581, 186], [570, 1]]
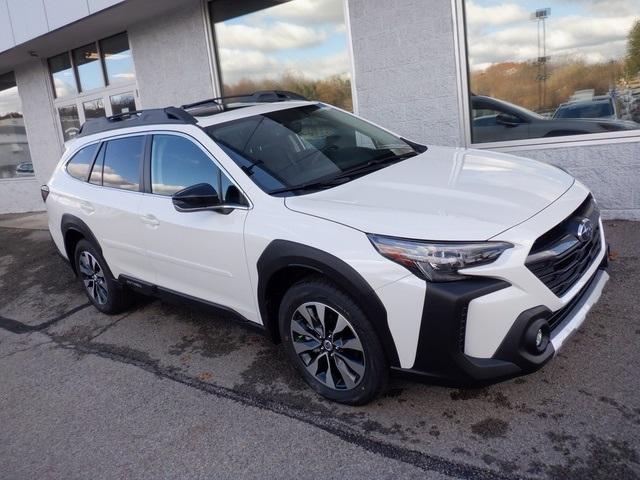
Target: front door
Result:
[[200, 254]]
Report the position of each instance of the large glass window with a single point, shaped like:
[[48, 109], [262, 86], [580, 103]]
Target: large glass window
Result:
[[122, 159], [118, 61], [569, 68], [87, 63], [69, 121], [296, 45], [178, 163], [63, 78], [15, 159]]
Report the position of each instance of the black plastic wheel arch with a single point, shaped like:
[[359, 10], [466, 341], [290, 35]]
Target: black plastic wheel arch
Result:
[[283, 254]]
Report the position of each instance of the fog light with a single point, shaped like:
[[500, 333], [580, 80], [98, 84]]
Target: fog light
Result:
[[536, 337]]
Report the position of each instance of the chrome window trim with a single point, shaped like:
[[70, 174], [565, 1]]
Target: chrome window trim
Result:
[[462, 71]]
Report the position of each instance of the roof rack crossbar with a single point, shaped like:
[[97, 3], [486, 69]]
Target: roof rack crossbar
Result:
[[137, 118], [260, 96]]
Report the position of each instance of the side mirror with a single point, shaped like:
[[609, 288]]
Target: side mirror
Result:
[[508, 120], [196, 198]]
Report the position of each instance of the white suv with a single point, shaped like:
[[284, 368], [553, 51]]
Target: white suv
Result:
[[359, 250]]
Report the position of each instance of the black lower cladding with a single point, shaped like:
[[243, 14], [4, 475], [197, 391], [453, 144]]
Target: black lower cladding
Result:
[[441, 341]]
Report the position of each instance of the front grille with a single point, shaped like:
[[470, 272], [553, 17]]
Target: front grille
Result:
[[559, 258], [558, 316]]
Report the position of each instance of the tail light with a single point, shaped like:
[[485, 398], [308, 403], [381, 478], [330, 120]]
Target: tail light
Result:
[[44, 191]]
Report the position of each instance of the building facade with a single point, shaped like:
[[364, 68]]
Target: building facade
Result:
[[487, 74]]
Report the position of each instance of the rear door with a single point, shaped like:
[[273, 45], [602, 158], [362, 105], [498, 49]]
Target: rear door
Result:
[[200, 254], [112, 205]]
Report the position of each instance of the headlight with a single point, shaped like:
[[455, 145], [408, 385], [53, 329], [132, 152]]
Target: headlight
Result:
[[438, 262]]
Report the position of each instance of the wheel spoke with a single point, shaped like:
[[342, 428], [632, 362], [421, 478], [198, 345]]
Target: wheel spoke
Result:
[[304, 330], [319, 310], [341, 324], [102, 293], [354, 365], [352, 343], [329, 374], [304, 311], [304, 346], [313, 365], [347, 375]]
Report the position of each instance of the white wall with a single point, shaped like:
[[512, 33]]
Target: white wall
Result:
[[18, 195]]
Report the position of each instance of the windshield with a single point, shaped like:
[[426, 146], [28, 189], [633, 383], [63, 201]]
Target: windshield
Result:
[[309, 146], [586, 110]]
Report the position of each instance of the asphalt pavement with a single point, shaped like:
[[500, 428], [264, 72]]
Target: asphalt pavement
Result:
[[164, 391]]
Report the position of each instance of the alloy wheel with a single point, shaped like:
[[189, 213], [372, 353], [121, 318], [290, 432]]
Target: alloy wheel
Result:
[[328, 346], [93, 278]]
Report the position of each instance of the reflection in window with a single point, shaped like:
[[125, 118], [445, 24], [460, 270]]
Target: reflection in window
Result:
[[117, 59], [69, 121], [545, 72], [81, 162], [15, 159], [87, 63], [297, 45], [93, 109], [178, 163], [122, 163], [64, 81], [123, 103]]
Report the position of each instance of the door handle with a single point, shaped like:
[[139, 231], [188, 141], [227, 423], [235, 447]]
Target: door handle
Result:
[[87, 207], [150, 220]]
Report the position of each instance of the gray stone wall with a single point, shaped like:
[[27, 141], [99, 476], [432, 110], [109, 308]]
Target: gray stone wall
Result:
[[405, 72], [170, 56]]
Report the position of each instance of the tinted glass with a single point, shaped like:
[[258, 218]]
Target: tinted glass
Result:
[[117, 59], [88, 65], [70, 121], [122, 103], [122, 163], [299, 145], [177, 163], [80, 165], [93, 109], [297, 45], [64, 81], [575, 63], [15, 159]]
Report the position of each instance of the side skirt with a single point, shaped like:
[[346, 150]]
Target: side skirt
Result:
[[174, 297]]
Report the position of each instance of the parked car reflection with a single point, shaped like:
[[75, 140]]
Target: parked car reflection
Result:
[[497, 121]]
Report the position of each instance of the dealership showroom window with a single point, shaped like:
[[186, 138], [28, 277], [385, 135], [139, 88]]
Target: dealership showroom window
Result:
[[570, 68], [15, 160], [297, 46]]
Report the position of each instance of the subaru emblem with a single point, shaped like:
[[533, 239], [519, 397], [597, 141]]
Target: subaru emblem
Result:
[[585, 230]]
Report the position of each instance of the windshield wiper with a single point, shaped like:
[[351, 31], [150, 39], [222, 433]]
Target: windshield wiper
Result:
[[344, 176]]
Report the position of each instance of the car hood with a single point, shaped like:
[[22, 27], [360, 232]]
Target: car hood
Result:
[[442, 194]]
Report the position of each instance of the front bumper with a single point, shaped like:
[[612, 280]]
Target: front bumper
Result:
[[440, 353]]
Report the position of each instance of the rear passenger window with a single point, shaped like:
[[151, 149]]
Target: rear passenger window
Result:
[[80, 164], [122, 159], [178, 163]]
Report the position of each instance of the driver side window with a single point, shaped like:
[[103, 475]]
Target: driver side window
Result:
[[178, 163]]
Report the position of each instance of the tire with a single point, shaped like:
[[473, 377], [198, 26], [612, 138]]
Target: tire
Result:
[[314, 311], [103, 291]]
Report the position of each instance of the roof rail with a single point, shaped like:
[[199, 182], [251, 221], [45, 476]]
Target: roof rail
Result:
[[220, 104], [136, 118]]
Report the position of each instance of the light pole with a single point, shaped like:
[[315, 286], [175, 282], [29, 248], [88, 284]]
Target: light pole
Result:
[[541, 16]]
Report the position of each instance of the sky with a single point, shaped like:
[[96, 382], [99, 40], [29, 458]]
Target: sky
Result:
[[306, 37], [594, 30], [10, 101]]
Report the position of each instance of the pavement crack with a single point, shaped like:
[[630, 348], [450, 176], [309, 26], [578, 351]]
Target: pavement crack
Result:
[[14, 326], [426, 462]]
